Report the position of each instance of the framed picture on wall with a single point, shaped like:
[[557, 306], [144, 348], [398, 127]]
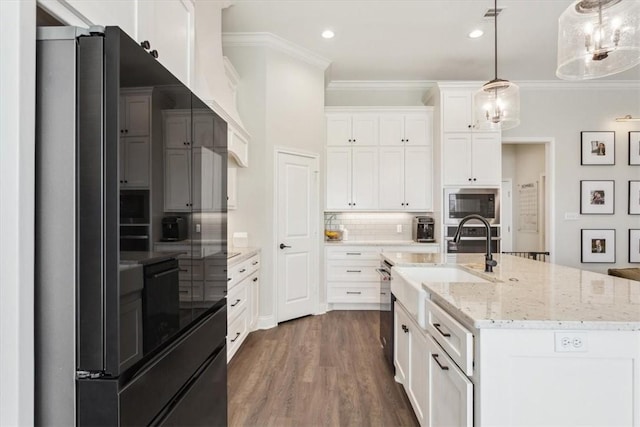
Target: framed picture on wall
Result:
[[634, 245], [597, 197], [634, 148], [634, 198], [597, 148], [598, 246]]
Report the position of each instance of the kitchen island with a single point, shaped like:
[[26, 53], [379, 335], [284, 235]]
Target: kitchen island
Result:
[[531, 344]]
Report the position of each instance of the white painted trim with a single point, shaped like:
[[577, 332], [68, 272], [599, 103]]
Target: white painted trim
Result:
[[374, 109], [65, 13], [316, 288], [266, 322], [550, 164], [509, 182], [231, 72], [17, 211], [190, 7], [346, 85], [260, 39], [382, 85]]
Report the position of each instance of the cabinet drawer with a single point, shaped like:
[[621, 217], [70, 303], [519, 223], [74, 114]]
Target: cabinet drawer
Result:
[[353, 271], [354, 253], [191, 291], [454, 338], [191, 270], [237, 331], [213, 291], [241, 270], [215, 269], [237, 300], [354, 294]]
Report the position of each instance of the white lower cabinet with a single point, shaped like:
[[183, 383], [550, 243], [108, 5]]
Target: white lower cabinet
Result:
[[242, 302], [440, 394]]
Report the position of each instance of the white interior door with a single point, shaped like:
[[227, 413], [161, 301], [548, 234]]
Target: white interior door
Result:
[[297, 233], [506, 219]]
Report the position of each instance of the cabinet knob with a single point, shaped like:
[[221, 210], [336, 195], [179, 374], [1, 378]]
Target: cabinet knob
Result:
[[405, 329], [469, 126], [469, 179], [474, 179], [154, 53], [121, 130], [145, 45]]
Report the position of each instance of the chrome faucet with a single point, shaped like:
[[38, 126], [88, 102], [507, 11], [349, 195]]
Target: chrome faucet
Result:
[[489, 262]]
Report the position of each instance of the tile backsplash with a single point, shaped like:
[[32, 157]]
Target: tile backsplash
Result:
[[365, 226]]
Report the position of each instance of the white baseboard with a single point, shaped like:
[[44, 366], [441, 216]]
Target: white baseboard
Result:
[[354, 306], [322, 308], [266, 322]]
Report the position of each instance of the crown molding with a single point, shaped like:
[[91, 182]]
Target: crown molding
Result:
[[378, 109], [336, 85], [277, 43], [382, 85]]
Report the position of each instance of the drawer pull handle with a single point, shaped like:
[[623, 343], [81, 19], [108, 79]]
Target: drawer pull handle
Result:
[[354, 253], [238, 334], [183, 269], [383, 293], [354, 271], [444, 334], [353, 293], [254, 263], [435, 357], [255, 279], [235, 303], [405, 329], [184, 292], [228, 279], [243, 270]]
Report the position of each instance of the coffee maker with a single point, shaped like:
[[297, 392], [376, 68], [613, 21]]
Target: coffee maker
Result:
[[422, 229], [174, 228]]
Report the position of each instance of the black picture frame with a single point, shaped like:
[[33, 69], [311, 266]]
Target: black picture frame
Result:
[[598, 148], [634, 148], [598, 246], [634, 246], [597, 197], [633, 198]]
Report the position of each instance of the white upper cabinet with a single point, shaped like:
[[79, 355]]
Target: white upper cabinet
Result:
[[134, 162], [379, 159], [177, 129], [472, 159], [202, 130], [135, 114], [352, 129], [177, 180], [406, 129], [457, 107], [169, 27]]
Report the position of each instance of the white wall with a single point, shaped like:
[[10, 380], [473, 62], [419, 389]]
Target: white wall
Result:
[[281, 100], [17, 194], [562, 112], [523, 164]]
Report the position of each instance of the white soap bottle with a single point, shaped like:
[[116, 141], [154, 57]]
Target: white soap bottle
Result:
[[345, 234]]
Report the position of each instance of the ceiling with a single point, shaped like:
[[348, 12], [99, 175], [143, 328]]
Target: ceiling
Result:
[[415, 39]]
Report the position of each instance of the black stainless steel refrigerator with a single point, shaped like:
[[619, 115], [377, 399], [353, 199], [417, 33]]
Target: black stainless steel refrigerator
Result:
[[103, 356]]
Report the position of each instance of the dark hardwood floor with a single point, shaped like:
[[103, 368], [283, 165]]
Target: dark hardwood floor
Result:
[[325, 370]]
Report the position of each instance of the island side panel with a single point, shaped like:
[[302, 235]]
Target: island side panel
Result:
[[557, 377]]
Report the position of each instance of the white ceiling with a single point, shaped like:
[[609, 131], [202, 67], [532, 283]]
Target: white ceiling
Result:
[[414, 39]]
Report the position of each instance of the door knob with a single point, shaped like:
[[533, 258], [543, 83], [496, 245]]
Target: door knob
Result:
[[282, 246]]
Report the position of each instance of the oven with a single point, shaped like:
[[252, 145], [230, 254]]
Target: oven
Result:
[[459, 203], [473, 239], [386, 311]]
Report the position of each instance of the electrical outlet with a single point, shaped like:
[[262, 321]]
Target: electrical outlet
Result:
[[197, 228], [571, 341], [571, 216], [399, 228]]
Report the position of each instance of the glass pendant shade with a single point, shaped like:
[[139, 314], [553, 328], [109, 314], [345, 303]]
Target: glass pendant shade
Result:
[[497, 105], [597, 38]]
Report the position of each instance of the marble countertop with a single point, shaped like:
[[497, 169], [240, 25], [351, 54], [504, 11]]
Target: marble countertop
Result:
[[533, 294], [242, 255], [377, 243]]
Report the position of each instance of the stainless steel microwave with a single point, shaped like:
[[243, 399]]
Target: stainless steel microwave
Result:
[[459, 203]]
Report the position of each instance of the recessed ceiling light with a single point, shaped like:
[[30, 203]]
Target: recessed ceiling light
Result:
[[328, 34], [476, 33]]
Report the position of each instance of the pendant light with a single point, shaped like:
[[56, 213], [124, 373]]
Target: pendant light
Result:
[[597, 38], [497, 103]]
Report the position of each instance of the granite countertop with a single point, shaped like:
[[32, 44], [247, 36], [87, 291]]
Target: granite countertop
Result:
[[242, 255], [378, 243], [536, 295], [146, 258], [412, 259]]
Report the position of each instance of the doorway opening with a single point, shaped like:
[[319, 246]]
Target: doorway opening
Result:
[[527, 195]]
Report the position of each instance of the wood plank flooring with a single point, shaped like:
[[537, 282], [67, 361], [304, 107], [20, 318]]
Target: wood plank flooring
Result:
[[325, 370]]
